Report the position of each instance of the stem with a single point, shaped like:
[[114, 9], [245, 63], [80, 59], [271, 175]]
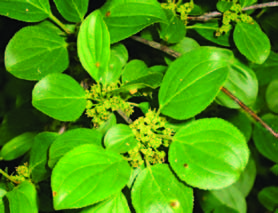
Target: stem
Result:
[[175, 54], [8, 176], [124, 116], [59, 23], [211, 15]]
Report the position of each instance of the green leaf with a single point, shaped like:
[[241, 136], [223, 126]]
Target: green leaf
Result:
[[174, 30], [193, 81], [209, 153], [36, 51], [223, 6], [120, 51], [29, 11], [2, 203], [72, 10], [23, 198], [93, 45], [127, 17], [268, 197], [252, 42], [104, 173], [265, 142], [39, 156], [71, 139], [59, 96], [134, 70], [230, 198], [247, 178], [156, 189], [185, 45], [208, 29], [120, 138], [243, 83], [271, 96], [245, 3], [18, 146], [116, 204]]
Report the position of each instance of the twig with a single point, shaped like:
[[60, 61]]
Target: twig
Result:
[[212, 15], [175, 54]]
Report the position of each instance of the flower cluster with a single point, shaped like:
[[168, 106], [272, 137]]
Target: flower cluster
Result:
[[23, 173], [101, 102], [182, 9], [152, 135], [234, 14]]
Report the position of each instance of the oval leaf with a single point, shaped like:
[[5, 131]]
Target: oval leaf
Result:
[[29, 11], [156, 189], [243, 83], [104, 173], [271, 96], [265, 142], [71, 139], [252, 42], [93, 45], [39, 156], [117, 204], [127, 17], [209, 153], [18, 146], [36, 51], [60, 97], [120, 138], [72, 10], [23, 198], [268, 197], [192, 81]]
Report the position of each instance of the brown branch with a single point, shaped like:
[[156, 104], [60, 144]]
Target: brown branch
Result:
[[175, 54], [212, 15]]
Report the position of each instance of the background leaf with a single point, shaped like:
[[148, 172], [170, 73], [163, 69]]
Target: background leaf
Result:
[[23, 198], [39, 156], [271, 96], [104, 173], [252, 42], [265, 142], [71, 139], [116, 204], [120, 139], [268, 197], [93, 45], [209, 153], [29, 11], [156, 189], [192, 81], [36, 51], [127, 17], [72, 10], [59, 96], [18, 146], [243, 83]]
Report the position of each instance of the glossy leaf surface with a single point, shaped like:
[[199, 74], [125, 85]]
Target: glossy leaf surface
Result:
[[252, 42], [116, 204], [39, 156], [72, 10], [36, 51], [266, 143], [271, 96], [104, 173], [209, 153], [93, 45], [243, 84], [23, 198], [120, 138], [59, 96], [127, 17], [193, 81], [29, 11], [71, 139], [18, 146], [156, 189]]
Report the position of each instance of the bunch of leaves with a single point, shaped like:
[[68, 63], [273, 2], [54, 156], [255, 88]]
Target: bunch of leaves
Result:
[[138, 138]]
